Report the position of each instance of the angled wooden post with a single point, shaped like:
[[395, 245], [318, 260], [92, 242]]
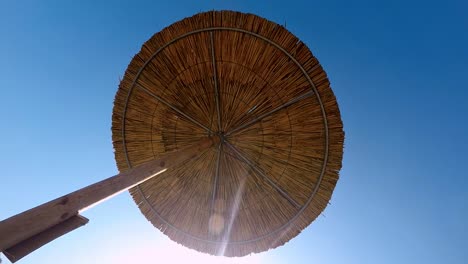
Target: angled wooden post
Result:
[[25, 232]]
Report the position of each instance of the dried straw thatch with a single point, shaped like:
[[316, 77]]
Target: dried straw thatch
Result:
[[260, 89]]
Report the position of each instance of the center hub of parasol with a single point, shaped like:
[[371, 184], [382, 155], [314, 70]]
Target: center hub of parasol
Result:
[[222, 137]]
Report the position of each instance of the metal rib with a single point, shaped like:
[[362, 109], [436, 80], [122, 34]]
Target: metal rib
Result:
[[215, 184], [293, 101], [174, 108], [259, 171], [215, 77]]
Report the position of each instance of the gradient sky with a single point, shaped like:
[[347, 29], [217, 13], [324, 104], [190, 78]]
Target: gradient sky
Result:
[[399, 71]]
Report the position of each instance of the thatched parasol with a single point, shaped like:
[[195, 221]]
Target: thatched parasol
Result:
[[256, 87]]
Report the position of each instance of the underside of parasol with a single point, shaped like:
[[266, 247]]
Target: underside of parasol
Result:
[[258, 88]]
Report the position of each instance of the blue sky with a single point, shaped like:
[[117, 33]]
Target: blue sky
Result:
[[398, 69]]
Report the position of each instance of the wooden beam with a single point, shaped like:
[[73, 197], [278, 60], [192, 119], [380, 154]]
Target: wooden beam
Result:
[[27, 246], [23, 226]]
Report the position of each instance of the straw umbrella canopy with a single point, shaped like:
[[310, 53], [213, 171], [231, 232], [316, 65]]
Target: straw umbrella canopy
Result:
[[258, 88]]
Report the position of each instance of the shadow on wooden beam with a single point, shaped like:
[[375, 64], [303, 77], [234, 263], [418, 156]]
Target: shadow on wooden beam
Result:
[[27, 246]]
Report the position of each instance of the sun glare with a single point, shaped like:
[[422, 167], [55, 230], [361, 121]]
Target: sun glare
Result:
[[178, 254], [169, 252]]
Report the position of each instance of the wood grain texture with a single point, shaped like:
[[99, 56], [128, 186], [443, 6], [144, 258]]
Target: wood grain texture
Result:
[[29, 245]]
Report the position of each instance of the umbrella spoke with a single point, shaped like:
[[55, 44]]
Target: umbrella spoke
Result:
[[215, 78], [293, 101], [259, 171], [215, 184], [173, 108]]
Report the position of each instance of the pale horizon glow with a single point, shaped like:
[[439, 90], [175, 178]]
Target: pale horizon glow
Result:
[[153, 249]]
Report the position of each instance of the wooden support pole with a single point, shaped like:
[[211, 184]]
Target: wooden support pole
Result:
[[24, 226], [27, 246]]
